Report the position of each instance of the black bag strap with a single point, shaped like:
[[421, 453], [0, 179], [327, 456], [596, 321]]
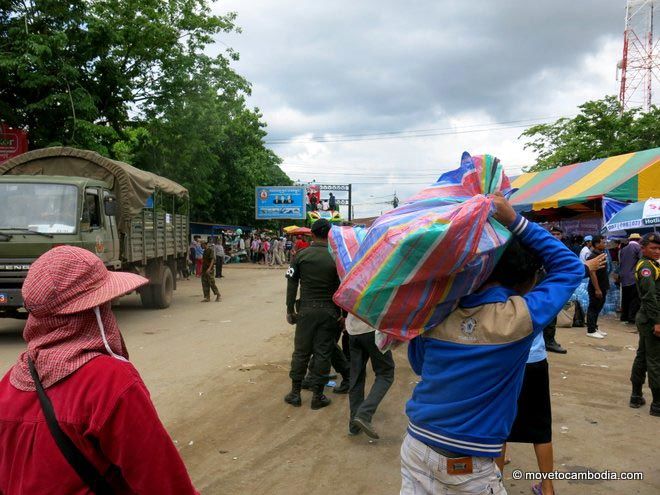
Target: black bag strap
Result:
[[87, 472]]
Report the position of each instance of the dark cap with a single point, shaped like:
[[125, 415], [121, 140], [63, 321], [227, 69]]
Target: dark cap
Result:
[[556, 229], [320, 228], [650, 238]]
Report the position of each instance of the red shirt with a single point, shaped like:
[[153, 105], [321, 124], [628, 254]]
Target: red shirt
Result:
[[300, 245], [105, 408]]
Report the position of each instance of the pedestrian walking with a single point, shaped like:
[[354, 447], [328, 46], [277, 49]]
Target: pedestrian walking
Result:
[[550, 331], [219, 251], [75, 415], [628, 259], [316, 319], [533, 423], [647, 277], [472, 364], [199, 256], [362, 343], [599, 284], [208, 282], [276, 258], [586, 248]]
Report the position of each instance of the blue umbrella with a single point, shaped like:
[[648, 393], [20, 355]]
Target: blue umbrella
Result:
[[636, 216]]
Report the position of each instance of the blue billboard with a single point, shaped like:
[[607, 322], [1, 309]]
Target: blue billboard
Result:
[[272, 203]]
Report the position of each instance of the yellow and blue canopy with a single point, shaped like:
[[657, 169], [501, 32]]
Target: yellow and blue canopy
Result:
[[629, 177]]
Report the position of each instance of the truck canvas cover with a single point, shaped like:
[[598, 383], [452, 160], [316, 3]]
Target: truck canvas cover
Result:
[[131, 185]]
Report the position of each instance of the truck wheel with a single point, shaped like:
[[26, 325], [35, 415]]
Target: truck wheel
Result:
[[147, 296], [163, 293]]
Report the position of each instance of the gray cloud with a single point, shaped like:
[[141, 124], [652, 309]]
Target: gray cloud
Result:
[[349, 67], [376, 65]]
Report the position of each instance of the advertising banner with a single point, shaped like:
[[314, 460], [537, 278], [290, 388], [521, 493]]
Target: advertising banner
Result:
[[275, 202], [13, 142]]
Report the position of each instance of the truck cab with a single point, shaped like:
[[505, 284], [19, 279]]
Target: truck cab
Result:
[[38, 213]]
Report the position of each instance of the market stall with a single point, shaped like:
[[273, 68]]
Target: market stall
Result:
[[577, 191]]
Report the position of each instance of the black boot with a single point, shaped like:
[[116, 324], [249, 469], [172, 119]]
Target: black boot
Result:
[[343, 387], [655, 404], [319, 400], [307, 382], [655, 409], [637, 396], [554, 346], [293, 397]]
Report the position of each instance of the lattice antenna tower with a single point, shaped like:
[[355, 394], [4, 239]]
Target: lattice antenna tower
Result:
[[640, 64]]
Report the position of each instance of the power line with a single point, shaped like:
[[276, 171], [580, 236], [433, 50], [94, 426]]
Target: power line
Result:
[[402, 134]]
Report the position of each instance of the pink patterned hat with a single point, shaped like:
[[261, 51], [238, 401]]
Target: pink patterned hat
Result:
[[69, 279]]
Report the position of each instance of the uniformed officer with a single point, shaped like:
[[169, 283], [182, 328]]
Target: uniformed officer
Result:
[[647, 277], [318, 317], [208, 282]]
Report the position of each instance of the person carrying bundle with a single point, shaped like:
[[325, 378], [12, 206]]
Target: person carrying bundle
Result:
[[472, 364]]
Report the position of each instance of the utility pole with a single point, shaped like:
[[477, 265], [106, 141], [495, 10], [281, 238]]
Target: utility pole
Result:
[[350, 202]]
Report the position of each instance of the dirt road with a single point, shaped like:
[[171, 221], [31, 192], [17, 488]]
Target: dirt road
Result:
[[218, 372]]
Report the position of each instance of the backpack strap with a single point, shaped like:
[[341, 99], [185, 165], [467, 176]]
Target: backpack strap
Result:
[[87, 472]]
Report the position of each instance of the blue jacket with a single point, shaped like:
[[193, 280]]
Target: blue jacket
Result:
[[472, 364]]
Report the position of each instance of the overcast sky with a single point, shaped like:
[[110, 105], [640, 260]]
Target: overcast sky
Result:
[[348, 72]]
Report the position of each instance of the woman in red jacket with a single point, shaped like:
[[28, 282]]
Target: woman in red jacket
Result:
[[98, 397]]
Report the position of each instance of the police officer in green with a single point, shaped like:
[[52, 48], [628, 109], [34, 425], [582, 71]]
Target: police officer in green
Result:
[[647, 276], [318, 317], [208, 282]]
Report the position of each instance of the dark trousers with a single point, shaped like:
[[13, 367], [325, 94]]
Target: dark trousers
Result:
[[363, 349], [647, 360], [338, 359], [219, 260], [316, 331], [550, 331], [346, 346], [208, 285], [595, 307], [629, 303]]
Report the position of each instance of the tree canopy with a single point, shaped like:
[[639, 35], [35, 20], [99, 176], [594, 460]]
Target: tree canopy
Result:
[[133, 80], [601, 129]]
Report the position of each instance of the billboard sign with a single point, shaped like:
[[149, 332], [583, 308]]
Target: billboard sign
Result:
[[13, 142], [275, 202]]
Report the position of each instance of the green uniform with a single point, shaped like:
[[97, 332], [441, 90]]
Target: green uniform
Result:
[[647, 277], [316, 328], [208, 281]]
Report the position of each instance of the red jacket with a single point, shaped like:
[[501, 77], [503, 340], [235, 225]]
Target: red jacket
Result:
[[104, 407]]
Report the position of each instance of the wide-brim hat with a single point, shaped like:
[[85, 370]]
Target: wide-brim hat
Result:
[[633, 237], [68, 279]]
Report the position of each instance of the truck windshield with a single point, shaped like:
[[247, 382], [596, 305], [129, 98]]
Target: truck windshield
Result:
[[44, 208]]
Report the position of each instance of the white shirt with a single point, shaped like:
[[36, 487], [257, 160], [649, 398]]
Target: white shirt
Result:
[[584, 254], [219, 249], [355, 326]]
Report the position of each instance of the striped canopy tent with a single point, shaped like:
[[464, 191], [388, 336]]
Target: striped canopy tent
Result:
[[575, 189]]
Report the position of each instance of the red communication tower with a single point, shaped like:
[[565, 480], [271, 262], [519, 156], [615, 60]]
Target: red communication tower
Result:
[[641, 55]]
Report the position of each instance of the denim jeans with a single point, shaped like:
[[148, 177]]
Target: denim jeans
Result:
[[424, 472]]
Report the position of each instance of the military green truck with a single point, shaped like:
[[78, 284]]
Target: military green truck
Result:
[[133, 220]]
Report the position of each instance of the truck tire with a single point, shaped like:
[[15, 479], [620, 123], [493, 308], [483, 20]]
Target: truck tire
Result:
[[162, 293], [147, 296]]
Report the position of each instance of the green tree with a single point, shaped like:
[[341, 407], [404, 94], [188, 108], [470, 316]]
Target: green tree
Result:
[[131, 79], [73, 72], [600, 130], [213, 145]]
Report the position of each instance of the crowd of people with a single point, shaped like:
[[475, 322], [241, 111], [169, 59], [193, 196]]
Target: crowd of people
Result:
[[75, 415], [484, 370]]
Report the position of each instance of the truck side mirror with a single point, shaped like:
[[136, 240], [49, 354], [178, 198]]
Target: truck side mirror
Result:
[[110, 206]]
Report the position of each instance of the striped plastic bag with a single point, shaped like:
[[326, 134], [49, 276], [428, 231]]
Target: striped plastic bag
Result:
[[406, 274]]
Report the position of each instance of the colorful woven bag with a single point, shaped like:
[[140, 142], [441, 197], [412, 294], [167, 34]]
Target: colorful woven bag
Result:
[[406, 273]]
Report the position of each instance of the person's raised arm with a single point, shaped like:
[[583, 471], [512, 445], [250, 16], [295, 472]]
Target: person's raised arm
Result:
[[564, 270]]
